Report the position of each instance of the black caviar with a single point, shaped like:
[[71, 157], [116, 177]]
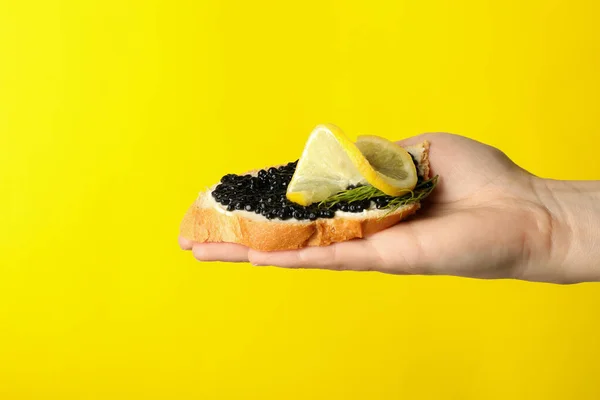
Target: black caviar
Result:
[[419, 177], [265, 194]]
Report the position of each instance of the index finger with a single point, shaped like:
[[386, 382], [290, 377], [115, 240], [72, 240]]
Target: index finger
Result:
[[356, 255], [185, 244]]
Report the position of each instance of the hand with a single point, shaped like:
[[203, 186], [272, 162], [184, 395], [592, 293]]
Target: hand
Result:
[[487, 218]]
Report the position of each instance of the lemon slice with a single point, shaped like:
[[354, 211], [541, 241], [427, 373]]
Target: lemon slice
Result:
[[331, 162], [328, 165], [395, 171]]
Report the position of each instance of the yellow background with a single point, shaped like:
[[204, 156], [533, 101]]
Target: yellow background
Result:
[[114, 114]]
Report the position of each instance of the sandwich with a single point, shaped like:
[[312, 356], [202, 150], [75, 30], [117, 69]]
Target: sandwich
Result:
[[338, 190]]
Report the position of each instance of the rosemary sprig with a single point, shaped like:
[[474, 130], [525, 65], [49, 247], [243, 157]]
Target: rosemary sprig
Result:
[[420, 192], [350, 195], [368, 192]]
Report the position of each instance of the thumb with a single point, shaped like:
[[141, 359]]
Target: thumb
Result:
[[389, 251], [356, 255]]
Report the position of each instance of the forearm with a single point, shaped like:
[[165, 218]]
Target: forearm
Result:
[[574, 207]]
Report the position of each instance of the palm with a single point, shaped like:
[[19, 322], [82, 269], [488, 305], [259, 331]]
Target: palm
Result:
[[478, 222]]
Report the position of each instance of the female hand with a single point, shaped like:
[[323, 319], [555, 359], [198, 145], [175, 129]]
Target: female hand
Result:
[[487, 218]]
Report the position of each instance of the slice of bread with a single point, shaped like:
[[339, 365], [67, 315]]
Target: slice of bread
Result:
[[208, 221]]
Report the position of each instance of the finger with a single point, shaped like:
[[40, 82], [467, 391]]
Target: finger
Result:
[[357, 255], [185, 244], [227, 252], [415, 139]]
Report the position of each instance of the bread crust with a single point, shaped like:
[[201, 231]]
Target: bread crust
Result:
[[203, 223]]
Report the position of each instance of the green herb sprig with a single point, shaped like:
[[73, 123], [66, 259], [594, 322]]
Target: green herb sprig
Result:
[[420, 192], [368, 192]]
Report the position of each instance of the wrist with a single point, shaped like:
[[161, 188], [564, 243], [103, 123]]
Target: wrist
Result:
[[573, 209]]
